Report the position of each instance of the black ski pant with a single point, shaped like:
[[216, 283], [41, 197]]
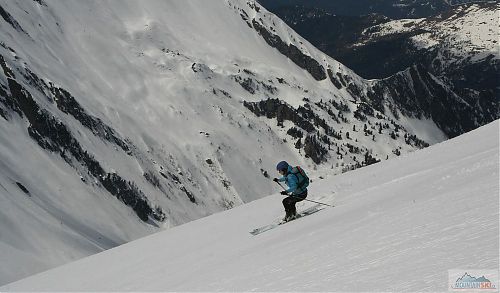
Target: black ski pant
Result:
[[290, 201]]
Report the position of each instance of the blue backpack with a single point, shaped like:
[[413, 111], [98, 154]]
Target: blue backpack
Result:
[[302, 179]]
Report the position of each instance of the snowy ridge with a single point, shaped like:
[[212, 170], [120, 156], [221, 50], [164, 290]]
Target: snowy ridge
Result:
[[468, 32], [415, 217]]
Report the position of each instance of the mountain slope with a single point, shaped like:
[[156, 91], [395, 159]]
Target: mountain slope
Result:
[[414, 217]]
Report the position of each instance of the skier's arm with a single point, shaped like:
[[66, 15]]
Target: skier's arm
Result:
[[292, 184], [282, 179]]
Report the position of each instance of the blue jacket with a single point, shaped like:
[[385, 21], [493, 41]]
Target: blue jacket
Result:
[[292, 182]]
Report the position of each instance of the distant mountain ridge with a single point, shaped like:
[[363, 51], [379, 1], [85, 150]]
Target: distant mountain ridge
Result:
[[457, 47]]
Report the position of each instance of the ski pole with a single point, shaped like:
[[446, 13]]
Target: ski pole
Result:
[[304, 198]]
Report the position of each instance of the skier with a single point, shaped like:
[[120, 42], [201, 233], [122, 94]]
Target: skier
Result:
[[297, 182]]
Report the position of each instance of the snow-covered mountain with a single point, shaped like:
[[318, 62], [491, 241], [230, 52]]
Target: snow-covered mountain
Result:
[[118, 119], [457, 47], [400, 225], [466, 33]]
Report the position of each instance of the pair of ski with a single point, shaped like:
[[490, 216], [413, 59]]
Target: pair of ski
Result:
[[306, 212]]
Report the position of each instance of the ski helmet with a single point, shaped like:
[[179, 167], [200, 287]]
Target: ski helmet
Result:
[[282, 166]]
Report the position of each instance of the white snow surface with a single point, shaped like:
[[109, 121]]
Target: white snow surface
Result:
[[396, 226]]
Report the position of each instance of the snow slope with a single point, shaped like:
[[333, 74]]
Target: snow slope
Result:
[[396, 226]]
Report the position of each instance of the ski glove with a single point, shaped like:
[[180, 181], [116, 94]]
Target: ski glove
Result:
[[284, 193], [275, 180]]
